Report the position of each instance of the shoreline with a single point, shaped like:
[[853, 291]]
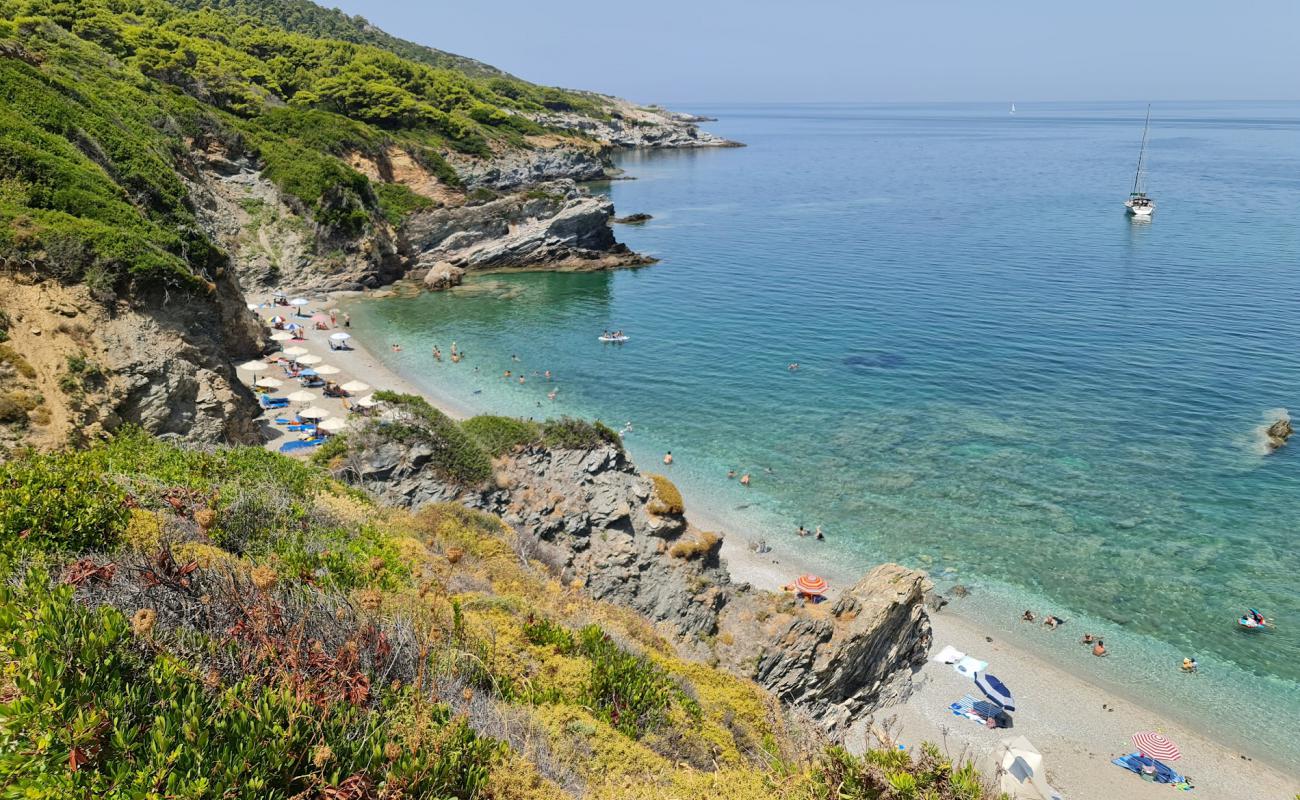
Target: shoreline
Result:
[[1093, 723]]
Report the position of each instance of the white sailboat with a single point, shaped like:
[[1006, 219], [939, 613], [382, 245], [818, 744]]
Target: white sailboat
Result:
[[1013, 109], [1138, 204]]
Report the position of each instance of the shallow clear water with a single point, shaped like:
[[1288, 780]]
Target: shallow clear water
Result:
[[1003, 379]]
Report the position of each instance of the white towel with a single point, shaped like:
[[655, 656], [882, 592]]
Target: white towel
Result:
[[970, 665], [948, 655]]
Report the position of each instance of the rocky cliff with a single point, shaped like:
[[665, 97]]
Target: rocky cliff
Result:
[[629, 125], [600, 524]]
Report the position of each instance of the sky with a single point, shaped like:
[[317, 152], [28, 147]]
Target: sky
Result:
[[711, 51]]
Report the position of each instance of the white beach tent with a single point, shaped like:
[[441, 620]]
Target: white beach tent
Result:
[[1020, 771]]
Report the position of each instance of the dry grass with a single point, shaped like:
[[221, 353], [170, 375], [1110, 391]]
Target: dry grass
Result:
[[696, 545], [667, 500]]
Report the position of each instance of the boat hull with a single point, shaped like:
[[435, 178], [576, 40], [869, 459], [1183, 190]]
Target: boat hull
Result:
[[1140, 211]]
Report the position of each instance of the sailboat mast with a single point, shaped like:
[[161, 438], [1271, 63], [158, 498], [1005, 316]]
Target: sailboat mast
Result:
[[1137, 176]]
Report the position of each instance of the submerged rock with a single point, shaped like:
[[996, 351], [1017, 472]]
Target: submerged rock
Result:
[[634, 219]]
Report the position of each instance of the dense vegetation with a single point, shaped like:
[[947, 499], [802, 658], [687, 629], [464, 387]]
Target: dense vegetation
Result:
[[101, 102], [462, 452], [233, 624]]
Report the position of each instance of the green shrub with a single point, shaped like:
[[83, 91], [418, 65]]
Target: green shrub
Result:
[[499, 435], [568, 433], [455, 455], [94, 715], [13, 358], [628, 691], [396, 201], [61, 502], [542, 631]]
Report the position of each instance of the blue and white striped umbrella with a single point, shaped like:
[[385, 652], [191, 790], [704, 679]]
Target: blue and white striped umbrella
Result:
[[995, 690]]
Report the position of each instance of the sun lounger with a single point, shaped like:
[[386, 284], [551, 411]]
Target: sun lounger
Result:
[[1134, 762], [289, 447], [302, 426], [970, 665], [274, 402]]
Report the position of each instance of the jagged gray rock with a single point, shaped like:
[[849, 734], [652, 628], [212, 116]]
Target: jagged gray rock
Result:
[[518, 168], [856, 657], [556, 225]]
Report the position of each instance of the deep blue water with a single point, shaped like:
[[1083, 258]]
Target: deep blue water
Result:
[[1003, 379]]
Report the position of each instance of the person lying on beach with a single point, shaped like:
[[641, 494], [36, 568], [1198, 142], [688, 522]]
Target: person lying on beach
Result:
[[1028, 616], [1099, 649]]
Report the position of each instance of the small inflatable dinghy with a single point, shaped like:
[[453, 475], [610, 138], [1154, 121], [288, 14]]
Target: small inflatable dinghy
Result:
[[615, 339]]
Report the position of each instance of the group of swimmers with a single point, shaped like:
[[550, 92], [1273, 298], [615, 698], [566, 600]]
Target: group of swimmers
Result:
[[1050, 621], [817, 534]]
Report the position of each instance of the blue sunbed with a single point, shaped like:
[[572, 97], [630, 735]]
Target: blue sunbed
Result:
[[274, 402], [289, 447], [1133, 762]]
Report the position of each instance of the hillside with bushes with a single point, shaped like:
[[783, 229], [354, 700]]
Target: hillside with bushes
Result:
[[231, 623]]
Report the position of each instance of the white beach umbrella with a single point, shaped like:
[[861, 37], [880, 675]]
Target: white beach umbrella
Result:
[[340, 336], [254, 366], [298, 301], [368, 401], [269, 383], [326, 369], [281, 336], [309, 360], [314, 412], [355, 386], [302, 396], [296, 351], [333, 425]]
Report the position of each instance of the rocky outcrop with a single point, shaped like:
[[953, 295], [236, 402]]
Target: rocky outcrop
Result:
[[836, 663], [632, 126], [589, 515], [271, 240], [554, 225], [547, 160], [443, 275], [585, 513], [163, 363], [639, 218], [1276, 435]]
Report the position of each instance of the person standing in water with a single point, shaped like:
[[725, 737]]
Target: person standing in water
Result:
[[744, 479], [668, 457]]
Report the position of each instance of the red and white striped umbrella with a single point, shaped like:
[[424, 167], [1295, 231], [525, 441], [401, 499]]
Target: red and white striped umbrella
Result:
[[811, 584], [1156, 745]]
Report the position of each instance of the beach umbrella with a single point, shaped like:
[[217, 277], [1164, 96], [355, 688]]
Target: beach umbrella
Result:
[[326, 369], [307, 373], [293, 326], [309, 359], [995, 690], [332, 425], [296, 351], [302, 396], [340, 336], [269, 383], [368, 401], [298, 301], [313, 413], [1156, 746], [355, 386], [276, 320], [281, 336], [254, 366], [811, 585]]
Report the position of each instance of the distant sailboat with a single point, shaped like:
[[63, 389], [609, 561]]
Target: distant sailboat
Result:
[[1138, 204], [1013, 108]]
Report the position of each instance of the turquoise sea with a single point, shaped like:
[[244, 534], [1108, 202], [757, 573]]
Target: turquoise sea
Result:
[[1002, 379]]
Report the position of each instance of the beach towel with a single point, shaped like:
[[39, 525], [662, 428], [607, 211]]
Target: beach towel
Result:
[[974, 709], [948, 655], [1134, 762], [970, 665]]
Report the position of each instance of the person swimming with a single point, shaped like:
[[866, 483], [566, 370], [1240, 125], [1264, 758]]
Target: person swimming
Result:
[[1099, 649], [821, 537], [731, 473], [744, 479], [1028, 616], [668, 457], [1189, 665]]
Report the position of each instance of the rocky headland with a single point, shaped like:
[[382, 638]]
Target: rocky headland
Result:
[[620, 535]]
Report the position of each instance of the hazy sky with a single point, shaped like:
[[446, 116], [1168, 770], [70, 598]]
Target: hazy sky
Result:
[[828, 50]]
